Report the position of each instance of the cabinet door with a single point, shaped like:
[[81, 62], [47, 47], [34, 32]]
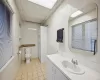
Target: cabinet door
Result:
[[59, 75], [49, 70], [53, 72]]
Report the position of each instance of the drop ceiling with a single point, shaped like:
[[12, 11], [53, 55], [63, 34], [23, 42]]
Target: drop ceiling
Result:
[[33, 12]]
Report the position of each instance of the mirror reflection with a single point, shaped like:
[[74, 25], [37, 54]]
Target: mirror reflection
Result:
[[83, 29]]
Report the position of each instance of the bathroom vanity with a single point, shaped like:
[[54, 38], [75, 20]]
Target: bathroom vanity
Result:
[[54, 73], [56, 70]]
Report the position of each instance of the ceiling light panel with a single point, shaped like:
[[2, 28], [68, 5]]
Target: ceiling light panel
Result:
[[77, 13], [45, 3], [32, 29]]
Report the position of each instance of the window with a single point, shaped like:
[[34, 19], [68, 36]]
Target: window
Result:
[[84, 35], [5, 35]]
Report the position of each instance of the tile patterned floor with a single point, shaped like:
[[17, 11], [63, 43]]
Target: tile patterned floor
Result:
[[32, 71]]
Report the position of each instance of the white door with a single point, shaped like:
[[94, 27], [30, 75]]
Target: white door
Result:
[[43, 39], [39, 43]]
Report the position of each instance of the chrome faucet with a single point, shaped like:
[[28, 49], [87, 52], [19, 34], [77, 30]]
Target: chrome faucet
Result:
[[75, 62]]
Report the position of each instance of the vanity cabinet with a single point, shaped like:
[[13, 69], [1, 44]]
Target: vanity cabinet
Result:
[[53, 73]]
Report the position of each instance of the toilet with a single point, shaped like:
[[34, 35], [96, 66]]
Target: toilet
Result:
[[28, 55]]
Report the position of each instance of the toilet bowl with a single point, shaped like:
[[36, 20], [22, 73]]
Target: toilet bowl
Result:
[[28, 55]]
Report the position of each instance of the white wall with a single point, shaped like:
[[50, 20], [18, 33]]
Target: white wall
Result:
[[54, 23], [30, 37], [60, 20], [11, 69]]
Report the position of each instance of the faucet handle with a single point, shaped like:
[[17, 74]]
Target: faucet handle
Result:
[[73, 61]]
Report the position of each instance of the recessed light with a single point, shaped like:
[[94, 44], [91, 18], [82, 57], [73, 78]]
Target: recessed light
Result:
[[32, 29], [76, 13], [46, 3]]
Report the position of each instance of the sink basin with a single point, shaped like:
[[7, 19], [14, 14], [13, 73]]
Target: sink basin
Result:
[[75, 69]]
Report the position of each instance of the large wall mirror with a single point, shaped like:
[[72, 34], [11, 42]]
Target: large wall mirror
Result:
[[83, 29]]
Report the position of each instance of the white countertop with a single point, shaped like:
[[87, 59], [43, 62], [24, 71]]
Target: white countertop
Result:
[[89, 74]]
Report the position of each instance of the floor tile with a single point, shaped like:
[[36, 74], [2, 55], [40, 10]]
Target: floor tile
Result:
[[32, 71]]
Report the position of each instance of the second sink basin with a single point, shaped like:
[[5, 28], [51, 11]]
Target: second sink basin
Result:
[[75, 69]]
